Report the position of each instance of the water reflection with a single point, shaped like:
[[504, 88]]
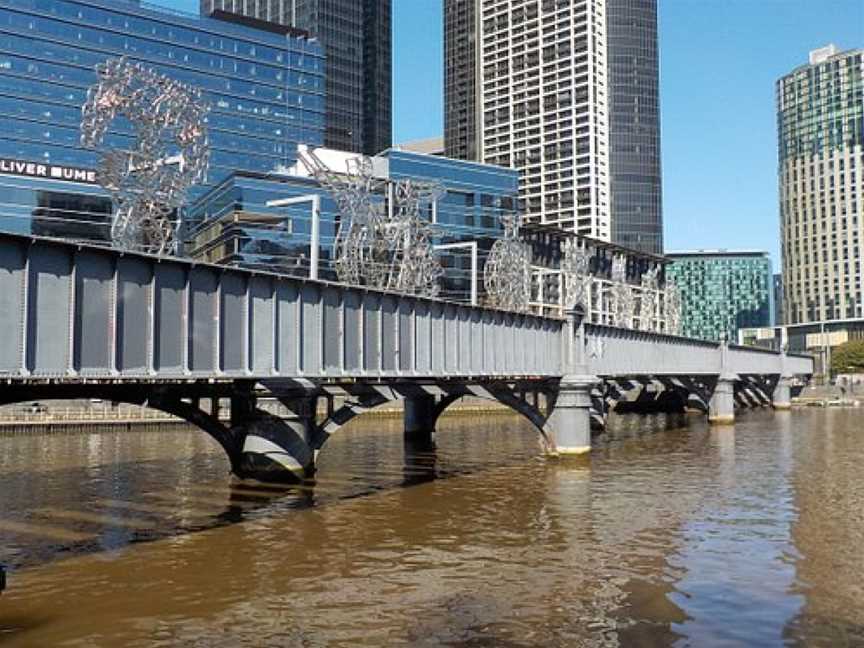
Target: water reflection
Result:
[[670, 533], [828, 531]]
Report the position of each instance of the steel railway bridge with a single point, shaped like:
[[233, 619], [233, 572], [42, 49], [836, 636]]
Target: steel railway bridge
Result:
[[82, 321]]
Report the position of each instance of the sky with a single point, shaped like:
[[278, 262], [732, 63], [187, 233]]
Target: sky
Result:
[[719, 60]]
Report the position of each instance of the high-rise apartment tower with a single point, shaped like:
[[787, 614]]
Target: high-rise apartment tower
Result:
[[542, 86], [820, 119], [357, 40], [540, 102], [634, 124]]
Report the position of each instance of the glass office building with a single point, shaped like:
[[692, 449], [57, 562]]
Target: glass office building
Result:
[[461, 92], [357, 39], [722, 291], [265, 87], [634, 124], [240, 229]]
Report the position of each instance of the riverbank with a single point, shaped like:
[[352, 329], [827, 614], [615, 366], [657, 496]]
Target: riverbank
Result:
[[77, 416], [829, 396]]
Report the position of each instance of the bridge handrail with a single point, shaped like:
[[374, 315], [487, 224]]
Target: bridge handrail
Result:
[[257, 272], [81, 310], [659, 335]]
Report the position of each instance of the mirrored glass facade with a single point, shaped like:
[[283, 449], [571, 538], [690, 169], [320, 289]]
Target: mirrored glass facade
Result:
[[356, 37], [242, 230], [266, 89]]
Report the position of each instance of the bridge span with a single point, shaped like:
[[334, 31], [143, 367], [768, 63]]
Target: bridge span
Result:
[[82, 321]]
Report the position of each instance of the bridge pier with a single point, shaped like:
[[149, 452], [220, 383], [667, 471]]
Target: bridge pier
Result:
[[275, 449], [721, 407], [570, 420], [419, 417], [781, 399]]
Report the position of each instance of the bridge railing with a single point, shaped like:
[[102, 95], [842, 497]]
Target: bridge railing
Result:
[[612, 351], [69, 310]]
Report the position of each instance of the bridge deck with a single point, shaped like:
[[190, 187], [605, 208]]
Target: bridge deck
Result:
[[68, 310], [72, 311]]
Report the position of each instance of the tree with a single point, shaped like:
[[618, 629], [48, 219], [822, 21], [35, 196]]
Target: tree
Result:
[[848, 357]]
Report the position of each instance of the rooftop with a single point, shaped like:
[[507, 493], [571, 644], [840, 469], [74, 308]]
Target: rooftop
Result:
[[428, 146], [821, 55], [717, 253], [551, 231]]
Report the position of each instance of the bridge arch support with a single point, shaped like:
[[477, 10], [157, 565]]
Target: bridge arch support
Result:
[[176, 404], [424, 405]]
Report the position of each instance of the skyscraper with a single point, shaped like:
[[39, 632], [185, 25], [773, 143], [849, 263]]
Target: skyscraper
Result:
[[527, 85], [634, 124], [275, 11], [460, 79], [820, 122], [356, 36]]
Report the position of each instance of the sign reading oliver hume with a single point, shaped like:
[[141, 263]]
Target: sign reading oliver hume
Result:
[[49, 171]]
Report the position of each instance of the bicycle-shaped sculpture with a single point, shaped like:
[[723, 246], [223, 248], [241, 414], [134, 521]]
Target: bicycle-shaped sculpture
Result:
[[169, 151], [380, 245], [507, 275]]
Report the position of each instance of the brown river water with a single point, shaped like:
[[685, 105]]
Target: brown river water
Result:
[[671, 533]]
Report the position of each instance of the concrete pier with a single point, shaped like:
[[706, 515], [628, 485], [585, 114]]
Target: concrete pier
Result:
[[419, 416], [276, 449], [570, 421], [721, 408], [781, 399]]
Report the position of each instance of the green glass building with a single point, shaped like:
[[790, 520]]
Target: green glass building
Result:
[[722, 291]]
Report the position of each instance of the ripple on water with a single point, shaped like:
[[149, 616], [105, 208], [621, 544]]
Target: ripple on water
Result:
[[746, 535]]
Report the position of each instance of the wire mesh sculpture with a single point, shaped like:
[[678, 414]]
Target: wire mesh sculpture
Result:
[[575, 266], [507, 274], [672, 308], [622, 294], [648, 299], [170, 150], [418, 271], [390, 249]]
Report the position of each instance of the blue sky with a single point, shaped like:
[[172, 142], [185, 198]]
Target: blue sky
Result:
[[719, 62]]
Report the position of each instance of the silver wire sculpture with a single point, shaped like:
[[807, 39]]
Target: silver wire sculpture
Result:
[[390, 249], [622, 294], [169, 153], [418, 271], [672, 308], [507, 274], [575, 266], [648, 299]]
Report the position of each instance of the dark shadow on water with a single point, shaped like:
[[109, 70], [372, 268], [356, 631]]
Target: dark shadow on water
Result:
[[15, 628]]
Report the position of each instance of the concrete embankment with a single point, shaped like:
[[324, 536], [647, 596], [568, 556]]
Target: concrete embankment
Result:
[[829, 396], [65, 416]]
